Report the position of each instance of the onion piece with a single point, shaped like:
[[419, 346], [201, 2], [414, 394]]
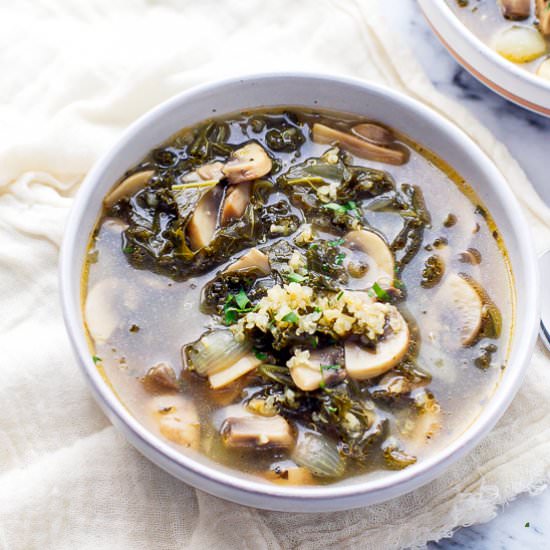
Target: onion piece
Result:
[[319, 455], [214, 351], [544, 69]]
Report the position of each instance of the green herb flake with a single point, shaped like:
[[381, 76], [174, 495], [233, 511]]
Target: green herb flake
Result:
[[290, 317], [260, 355], [337, 242], [527, 524], [332, 409], [340, 258], [128, 249], [96, 359], [330, 367], [339, 208], [380, 293], [242, 299], [339, 295], [295, 277]]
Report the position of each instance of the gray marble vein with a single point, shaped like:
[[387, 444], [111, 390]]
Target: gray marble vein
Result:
[[524, 523]]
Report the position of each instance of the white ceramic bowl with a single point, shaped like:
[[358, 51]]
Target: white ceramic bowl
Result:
[[314, 91], [502, 76]]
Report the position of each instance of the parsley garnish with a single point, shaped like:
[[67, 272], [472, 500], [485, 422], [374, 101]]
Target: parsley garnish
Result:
[[329, 367], [527, 524], [242, 299], [340, 294], [290, 317], [96, 359], [260, 355], [380, 293], [349, 208], [128, 249], [337, 242], [340, 258], [234, 306], [295, 277]]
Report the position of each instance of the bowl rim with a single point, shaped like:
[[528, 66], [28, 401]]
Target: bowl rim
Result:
[[379, 489], [469, 38]]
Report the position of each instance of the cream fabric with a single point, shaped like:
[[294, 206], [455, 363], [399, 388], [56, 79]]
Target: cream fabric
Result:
[[74, 75]]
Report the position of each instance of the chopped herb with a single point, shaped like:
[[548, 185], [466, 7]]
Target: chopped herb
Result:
[[322, 384], [134, 328], [260, 355], [128, 249], [332, 409], [290, 317], [230, 312], [337, 242], [336, 207], [340, 294], [242, 299], [527, 524], [295, 277], [330, 367], [340, 258], [96, 359], [317, 309], [380, 293]]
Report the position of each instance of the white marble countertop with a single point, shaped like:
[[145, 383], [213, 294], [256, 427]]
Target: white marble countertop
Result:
[[525, 522]]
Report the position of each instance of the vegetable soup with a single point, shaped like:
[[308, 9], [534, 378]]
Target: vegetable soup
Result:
[[303, 296]]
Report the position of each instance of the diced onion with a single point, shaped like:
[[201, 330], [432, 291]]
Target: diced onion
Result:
[[316, 453], [214, 351]]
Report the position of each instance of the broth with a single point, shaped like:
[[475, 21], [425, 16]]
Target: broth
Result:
[[142, 302], [522, 37]]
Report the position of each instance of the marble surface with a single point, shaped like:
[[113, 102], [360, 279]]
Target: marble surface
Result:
[[525, 522]]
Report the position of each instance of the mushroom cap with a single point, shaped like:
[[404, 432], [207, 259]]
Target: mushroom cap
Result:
[[381, 262], [362, 364], [128, 187], [248, 163], [253, 259], [461, 307]]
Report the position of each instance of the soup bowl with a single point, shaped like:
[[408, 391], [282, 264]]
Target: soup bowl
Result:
[[502, 76], [333, 93]]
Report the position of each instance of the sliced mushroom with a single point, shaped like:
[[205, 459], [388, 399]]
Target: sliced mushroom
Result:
[[248, 163], [177, 419], [314, 369], [213, 171], [381, 264], [161, 376], [461, 306], [128, 187], [295, 475], [543, 16], [99, 312], [520, 44], [224, 377], [374, 133], [363, 364], [264, 432], [427, 423], [516, 10], [236, 201], [544, 69], [396, 154], [253, 259], [202, 225]]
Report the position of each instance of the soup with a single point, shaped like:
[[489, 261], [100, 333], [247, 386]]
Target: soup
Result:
[[519, 30], [302, 296]]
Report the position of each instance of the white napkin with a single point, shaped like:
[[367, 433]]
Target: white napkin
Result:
[[74, 75]]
